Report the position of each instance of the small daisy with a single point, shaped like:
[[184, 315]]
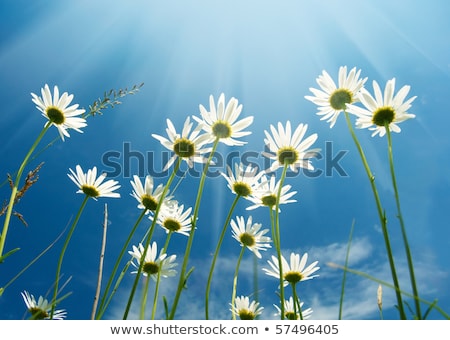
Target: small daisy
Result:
[[222, 122], [58, 112], [246, 310], [293, 272], [152, 263], [266, 194], [250, 235], [189, 145], [148, 196], [289, 148], [244, 180], [332, 99], [41, 309], [173, 218], [289, 310], [92, 186], [382, 110]]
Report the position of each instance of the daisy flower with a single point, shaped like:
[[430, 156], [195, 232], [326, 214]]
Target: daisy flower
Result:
[[41, 309], [173, 218], [381, 111], [244, 180], [332, 99], [265, 195], [147, 195], [222, 122], [153, 263], [93, 186], [189, 145], [289, 310], [245, 309], [250, 235], [58, 112], [294, 272], [289, 148]]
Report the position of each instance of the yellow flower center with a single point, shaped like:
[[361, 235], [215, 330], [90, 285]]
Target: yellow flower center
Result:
[[287, 155], [242, 189], [383, 115], [150, 268], [221, 129], [171, 224], [247, 239], [90, 190], [269, 200], [293, 277], [149, 202], [245, 314], [55, 115], [291, 316], [184, 148], [340, 98], [38, 314]]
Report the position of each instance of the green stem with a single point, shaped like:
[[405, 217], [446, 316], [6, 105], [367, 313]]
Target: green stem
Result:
[[144, 297], [216, 253], [381, 216], [158, 279], [278, 239], [149, 236], [182, 279], [16, 188], [297, 305], [344, 276], [235, 278], [63, 250], [402, 224], [102, 306]]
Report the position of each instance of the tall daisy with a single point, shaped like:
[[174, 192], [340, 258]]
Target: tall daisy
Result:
[[153, 264], [244, 180], [93, 186], [265, 194], [245, 309], [250, 235], [174, 218], [222, 122], [291, 313], [147, 195], [287, 148], [383, 110], [293, 271], [188, 145], [40, 309], [58, 112], [332, 99]]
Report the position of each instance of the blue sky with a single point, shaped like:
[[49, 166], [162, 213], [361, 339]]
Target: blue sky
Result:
[[266, 55]]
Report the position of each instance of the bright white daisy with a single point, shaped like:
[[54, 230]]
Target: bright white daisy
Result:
[[153, 263], [383, 110], [58, 112], [250, 235], [244, 180], [187, 145], [293, 272], [332, 99], [289, 148], [93, 186], [41, 310], [173, 218], [290, 312], [222, 122], [147, 195], [245, 309], [265, 194]]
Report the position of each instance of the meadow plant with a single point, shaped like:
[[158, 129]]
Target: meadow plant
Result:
[[289, 147]]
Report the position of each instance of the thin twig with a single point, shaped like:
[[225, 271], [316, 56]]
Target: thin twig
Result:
[[100, 266]]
